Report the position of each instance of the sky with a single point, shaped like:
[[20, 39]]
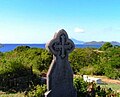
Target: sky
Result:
[[36, 21]]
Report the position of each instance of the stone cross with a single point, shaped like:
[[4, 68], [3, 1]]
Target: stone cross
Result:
[[60, 75]]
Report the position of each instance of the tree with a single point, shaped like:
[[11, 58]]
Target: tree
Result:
[[21, 48], [106, 45], [82, 57]]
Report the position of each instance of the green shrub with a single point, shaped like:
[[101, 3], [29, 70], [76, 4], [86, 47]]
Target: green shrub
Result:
[[80, 86], [82, 57], [13, 68], [99, 69], [115, 74], [1, 54], [106, 45], [87, 70], [21, 48], [38, 91]]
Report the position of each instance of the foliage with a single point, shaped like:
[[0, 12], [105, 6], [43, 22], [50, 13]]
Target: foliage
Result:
[[106, 92], [38, 59], [12, 94], [1, 54], [82, 57], [85, 89], [87, 70], [82, 60], [13, 68], [106, 45], [37, 91], [81, 87], [109, 61], [95, 62], [25, 60], [21, 48]]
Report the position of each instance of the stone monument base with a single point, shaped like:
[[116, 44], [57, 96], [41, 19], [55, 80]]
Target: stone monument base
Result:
[[53, 94], [62, 91]]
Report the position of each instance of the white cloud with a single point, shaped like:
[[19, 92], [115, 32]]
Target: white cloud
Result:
[[79, 30]]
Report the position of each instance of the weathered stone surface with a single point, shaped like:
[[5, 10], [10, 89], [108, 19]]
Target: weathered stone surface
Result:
[[60, 75]]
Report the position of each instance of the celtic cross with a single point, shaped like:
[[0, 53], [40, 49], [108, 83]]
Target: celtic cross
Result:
[[60, 45], [60, 75]]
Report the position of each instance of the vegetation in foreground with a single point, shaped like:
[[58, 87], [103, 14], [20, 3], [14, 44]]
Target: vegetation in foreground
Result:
[[83, 89], [21, 69]]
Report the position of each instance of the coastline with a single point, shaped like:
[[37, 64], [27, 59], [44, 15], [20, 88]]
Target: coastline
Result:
[[10, 47]]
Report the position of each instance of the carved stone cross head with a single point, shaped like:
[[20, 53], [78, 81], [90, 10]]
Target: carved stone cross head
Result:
[[61, 45]]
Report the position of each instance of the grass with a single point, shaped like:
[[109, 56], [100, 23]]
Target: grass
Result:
[[114, 87], [12, 95]]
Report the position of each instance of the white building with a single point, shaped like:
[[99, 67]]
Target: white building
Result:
[[91, 79]]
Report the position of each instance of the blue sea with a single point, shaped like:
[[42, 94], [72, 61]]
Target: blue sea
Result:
[[9, 47]]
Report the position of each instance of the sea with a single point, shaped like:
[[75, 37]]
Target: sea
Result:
[[10, 47]]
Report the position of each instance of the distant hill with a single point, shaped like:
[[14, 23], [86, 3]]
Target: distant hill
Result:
[[93, 42], [77, 41], [101, 43], [115, 43]]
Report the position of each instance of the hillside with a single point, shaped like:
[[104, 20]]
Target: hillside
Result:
[[101, 43], [77, 41], [93, 42]]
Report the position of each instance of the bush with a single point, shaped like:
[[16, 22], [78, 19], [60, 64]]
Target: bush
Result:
[[13, 68], [99, 69], [105, 46], [81, 87], [115, 74], [80, 58], [88, 70], [21, 48], [1, 54], [37, 91]]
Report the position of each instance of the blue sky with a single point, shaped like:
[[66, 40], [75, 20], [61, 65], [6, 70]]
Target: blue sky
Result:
[[36, 21]]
